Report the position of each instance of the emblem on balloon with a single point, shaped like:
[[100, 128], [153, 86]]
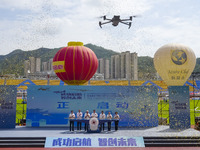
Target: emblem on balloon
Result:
[[179, 57], [75, 64], [174, 63]]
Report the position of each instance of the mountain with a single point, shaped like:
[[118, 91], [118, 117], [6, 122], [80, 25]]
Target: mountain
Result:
[[197, 67], [101, 52], [147, 71], [13, 63], [146, 68]]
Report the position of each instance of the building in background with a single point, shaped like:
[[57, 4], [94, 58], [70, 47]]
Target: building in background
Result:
[[44, 66], [50, 64], [124, 66], [115, 68], [38, 65], [134, 66], [35, 69], [103, 68], [32, 64], [26, 68]]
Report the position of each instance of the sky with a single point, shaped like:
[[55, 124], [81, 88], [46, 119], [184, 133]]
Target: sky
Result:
[[32, 24]]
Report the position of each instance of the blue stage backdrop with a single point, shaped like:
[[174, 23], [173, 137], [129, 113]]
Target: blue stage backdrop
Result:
[[179, 107], [8, 96], [51, 105]]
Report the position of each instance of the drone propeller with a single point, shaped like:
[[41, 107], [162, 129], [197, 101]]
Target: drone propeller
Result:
[[104, 17], [100, 24], [135, 16]]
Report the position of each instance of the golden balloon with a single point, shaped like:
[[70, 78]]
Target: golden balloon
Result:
[[174, 63]]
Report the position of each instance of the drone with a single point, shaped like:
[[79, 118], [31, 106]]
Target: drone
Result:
[[116, 20]]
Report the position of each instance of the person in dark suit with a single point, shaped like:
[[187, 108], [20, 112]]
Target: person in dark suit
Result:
[[102, 116], [116, 117], [79, 117], [87, 117], [71, 122], [109, 117]]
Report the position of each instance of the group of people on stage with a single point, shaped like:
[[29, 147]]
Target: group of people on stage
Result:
[[87, 116]]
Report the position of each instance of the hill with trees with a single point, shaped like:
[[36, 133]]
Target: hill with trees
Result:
[[13, 63]]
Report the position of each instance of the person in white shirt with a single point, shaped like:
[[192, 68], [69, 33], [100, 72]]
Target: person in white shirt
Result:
[[94, 114], [79, 116], [102, 116], [109, 116], [71, 122], [116, 117], [87, 117]]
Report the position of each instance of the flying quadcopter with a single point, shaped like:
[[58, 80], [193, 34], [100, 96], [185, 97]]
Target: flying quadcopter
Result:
[[116, 20]]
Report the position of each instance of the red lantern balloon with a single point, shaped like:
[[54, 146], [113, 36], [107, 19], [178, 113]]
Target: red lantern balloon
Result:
[[75, 64]]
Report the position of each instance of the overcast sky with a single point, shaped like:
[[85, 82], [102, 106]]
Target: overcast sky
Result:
[[31, 24]]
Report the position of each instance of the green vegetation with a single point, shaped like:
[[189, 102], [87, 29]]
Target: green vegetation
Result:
[[13, 63], [101, 52], [197, 67], [20, 110], [146, 70]]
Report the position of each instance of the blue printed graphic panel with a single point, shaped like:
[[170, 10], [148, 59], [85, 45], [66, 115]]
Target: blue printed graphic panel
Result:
[[179, 107], [51, 105], [8, 96], [58, 142]]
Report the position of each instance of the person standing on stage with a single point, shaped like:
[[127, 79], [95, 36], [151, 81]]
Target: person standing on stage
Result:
[[87, 117], [116, 117], [79, 116], [94, 114], [102, 116], [71, 122], [109, 117]]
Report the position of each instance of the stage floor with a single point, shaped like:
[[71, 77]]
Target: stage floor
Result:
[[160, 131]]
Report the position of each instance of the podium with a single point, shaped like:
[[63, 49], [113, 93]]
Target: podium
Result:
[[93, 124]]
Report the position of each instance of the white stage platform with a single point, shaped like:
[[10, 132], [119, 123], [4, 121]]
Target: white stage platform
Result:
[[160, 131]]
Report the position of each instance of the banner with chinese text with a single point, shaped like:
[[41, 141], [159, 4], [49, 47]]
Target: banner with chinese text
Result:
[[51, 105], [94, 142], [179, 107], [8, 95]]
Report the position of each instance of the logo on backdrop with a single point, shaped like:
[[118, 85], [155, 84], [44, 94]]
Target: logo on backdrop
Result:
[[179, 57]]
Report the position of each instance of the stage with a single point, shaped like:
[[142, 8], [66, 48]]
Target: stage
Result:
[[160, 131], [161, 136], [46, 125]]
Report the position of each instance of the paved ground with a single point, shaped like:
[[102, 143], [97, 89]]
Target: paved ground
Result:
[[163, 131], [146, 148], [61, 132]]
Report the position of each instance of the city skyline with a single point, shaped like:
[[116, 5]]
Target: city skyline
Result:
[[34, 67], [122, 66]]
